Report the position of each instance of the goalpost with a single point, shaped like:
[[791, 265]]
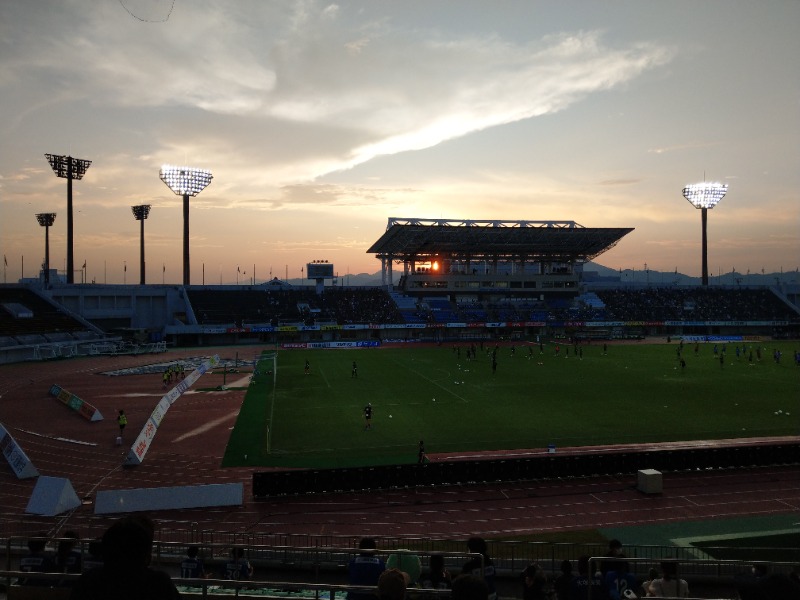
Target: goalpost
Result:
[[269, 361]]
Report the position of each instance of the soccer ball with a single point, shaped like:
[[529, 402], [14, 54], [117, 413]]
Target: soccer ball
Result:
[[390, 416]]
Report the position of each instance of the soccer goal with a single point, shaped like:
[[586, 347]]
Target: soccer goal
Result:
[[268, 364]]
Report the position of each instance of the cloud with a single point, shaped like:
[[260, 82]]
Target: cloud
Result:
[[349, 87]]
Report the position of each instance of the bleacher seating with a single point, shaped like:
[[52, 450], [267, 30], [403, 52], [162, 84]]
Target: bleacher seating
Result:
[[696, 304], [30, 317], [240, 307]]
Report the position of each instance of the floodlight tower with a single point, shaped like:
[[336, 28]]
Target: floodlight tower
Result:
[[140, 213], [68, 168], [46, 220], [185, 181], [704, 196]]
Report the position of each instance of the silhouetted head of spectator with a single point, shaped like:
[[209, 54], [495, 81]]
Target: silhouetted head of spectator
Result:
[[760, 570], [614, 548], [469, 587], [583, 564], [66, 545], [367, 544], [192, 551], [669, 569], [128, 543], [437, 563], [37, 545], [477, 545], [566, 567], [392, 585]]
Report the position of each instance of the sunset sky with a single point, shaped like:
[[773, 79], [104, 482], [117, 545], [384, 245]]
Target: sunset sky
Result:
[[321, 120]]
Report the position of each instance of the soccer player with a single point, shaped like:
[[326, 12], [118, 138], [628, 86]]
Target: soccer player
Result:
[[368, 416], [308, 367], [354, 372]]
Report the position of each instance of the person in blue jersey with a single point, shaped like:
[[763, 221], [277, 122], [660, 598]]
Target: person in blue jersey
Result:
[[68, 557], [192, 567], [237, 567], [37, 561], [481, 567], [586, 586], [364, 569], [619, 579]]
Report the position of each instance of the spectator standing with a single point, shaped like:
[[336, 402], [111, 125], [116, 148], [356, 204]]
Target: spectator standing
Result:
[[469, 587], [563, 583], [36, 561], [126, 573], [535, 585], [437, 577], [238, 567], [613, 553], [192, 567], [392, 585], [652, 575], [68, 558], [364, 569], [619, 580], [481, 567], [669, 585], [94, 556], [409, 564], [586, 586]]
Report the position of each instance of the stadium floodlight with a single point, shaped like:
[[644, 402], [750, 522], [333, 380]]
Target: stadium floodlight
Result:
[[140, 213], [185, 181], [704, 196], [68, 168], [46, 220]]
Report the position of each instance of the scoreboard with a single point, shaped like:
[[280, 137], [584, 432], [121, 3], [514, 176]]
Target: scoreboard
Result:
[[319, 270]]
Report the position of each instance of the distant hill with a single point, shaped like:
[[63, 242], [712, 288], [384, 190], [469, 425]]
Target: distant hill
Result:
[[594, 272]]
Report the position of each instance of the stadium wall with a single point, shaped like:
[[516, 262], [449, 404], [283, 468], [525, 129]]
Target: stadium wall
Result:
[[269, 484]]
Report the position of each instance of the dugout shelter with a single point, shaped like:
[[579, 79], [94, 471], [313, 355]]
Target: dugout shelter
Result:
[[478, 261]]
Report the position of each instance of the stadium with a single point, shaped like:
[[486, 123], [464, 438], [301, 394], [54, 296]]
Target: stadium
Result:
[[530, 362]]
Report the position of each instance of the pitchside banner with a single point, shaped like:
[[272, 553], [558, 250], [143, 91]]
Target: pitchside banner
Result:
[[142, 443], [86, 410], [17, 459]]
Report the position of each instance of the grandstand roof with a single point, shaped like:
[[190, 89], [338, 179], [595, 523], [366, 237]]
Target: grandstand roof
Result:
[[407, 239]]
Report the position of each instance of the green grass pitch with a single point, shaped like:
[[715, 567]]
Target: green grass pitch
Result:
[[633, 393]]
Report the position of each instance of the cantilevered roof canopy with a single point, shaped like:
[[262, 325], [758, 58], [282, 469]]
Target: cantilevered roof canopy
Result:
[[560, 241]]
